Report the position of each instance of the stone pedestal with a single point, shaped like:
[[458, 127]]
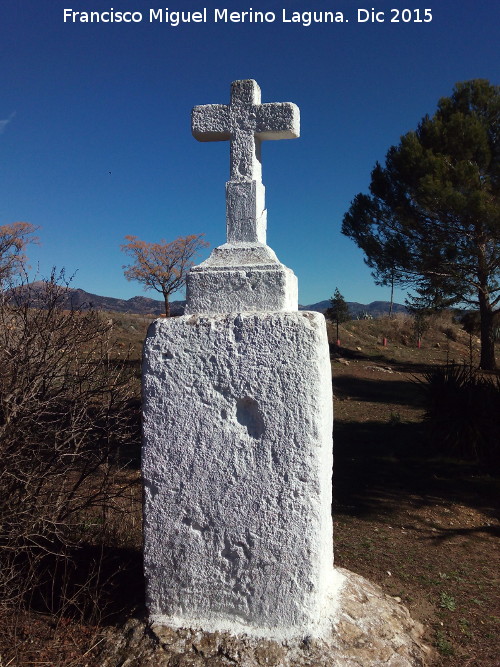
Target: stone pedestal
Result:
[[237, 465], [241, 277], [369, 629]]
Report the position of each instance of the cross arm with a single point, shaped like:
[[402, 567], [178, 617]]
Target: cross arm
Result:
[[277, 120], [211, 122]]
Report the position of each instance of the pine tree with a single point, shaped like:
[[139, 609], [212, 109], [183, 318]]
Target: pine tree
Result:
[[432, 217], [338, 311]]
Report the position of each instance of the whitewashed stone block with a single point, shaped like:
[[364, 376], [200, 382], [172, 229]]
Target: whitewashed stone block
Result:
[[246, 216], [237, 462], [241, 277]]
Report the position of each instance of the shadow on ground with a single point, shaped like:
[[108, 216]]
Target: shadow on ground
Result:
[[384, 359], [380, 465], [400, 392], [92, 584]]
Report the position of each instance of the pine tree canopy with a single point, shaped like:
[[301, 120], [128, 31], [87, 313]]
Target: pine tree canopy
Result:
[[432, 218], [339, 310]]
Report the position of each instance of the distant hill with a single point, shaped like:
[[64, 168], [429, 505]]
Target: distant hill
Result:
[[139, 305], [142, 305], [79, 298], [375, 308]]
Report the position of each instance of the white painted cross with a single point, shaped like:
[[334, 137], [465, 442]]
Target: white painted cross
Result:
[[245, 122]]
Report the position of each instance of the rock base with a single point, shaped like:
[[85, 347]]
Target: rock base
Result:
[[370, 629]]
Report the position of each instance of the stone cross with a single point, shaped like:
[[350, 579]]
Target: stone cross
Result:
[[237, 428], [245, 122]]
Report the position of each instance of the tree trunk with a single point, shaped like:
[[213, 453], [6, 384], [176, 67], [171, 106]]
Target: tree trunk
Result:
[[167, 305], [487, 362], [392, 295]]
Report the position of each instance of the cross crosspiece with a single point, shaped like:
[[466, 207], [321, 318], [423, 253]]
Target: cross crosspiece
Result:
[[245, 122]]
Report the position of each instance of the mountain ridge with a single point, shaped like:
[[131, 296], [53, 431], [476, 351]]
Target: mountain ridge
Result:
[[142, 305], [373, 309]]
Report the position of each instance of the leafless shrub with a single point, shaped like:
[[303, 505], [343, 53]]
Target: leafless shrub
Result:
[[66, 412]]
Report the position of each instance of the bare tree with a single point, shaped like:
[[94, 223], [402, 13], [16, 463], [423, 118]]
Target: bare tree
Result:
[[64, 415], [13, 240], [162, 266]]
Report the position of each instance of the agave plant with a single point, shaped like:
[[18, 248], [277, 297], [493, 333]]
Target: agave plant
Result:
[[463, 411]]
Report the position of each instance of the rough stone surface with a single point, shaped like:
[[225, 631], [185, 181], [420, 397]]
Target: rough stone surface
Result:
[[245, 122], [246, 215], [250, 277], [370, 630], [237, 465], [244, 277]]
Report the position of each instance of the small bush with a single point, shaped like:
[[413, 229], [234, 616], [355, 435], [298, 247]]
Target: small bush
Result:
[[450, 333], [463, 412], [447, 601], [66, 412], [421, 324]]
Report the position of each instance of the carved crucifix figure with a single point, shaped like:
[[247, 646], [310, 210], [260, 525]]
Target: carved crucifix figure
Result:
[[245, 122]]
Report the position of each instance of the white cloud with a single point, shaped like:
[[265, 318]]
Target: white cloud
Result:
[[4, 123]]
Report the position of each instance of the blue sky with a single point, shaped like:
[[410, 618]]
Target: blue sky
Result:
[[81, 100]]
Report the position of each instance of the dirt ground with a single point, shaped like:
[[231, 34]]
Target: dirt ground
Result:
[[423, 527]]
